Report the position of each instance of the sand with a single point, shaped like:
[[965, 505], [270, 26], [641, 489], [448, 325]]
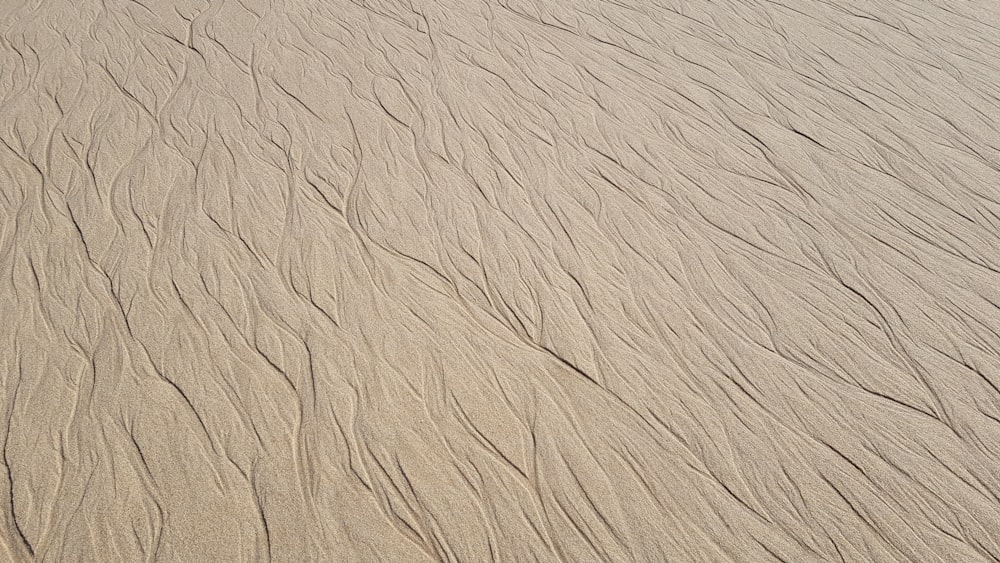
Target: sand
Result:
[[511, 280]]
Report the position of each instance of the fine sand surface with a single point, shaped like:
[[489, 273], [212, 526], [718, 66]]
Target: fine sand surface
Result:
[[500, 280]]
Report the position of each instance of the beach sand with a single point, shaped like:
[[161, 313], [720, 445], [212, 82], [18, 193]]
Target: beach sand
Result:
[[511, 280]]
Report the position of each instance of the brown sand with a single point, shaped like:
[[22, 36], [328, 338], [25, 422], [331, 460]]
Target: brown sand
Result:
[[509, 280]]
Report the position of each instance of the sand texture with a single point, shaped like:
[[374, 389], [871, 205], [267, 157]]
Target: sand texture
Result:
[[501, 280]]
